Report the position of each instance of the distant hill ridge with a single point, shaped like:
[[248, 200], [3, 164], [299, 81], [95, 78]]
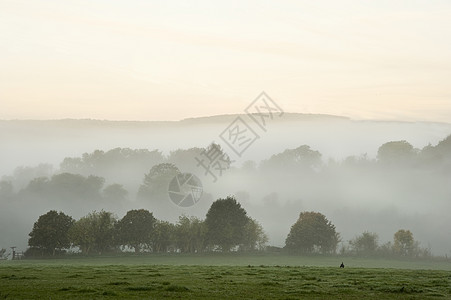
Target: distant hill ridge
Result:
[[216, 119]]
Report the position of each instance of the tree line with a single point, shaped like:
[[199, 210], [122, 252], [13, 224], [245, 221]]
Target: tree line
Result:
[[314, 233], [85, 176], [226, 227]]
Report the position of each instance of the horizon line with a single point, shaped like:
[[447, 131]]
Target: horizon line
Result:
[[226, 115]]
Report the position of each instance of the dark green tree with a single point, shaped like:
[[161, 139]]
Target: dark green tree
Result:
[[163, 237], [135, 229], [312, 232], [190, 234], [50, 232], [226, 223], [94, 232]]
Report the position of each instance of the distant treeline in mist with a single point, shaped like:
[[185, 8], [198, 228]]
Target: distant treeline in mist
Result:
[[83, 178]]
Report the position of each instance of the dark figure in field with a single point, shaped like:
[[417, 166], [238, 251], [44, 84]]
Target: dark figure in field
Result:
[[342, 265]]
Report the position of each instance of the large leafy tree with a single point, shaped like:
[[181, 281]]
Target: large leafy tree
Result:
[[94, 232], [135, 229], [226, 223], [50, 232], [312, 232]]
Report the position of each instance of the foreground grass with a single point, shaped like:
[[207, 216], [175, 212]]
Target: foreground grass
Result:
[[89, 279]]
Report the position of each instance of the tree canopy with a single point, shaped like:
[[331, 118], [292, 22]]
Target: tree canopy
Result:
[[50, 232], [135, 229], [312, 232], [94, 232], [226, 222], [302, 158], [157, 180], [366, 243]]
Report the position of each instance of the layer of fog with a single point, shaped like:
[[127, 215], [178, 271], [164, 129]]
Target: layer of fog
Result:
[[29, 143], [353, 200]]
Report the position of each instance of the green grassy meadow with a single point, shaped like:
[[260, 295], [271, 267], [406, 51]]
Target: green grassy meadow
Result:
[[224, 276]]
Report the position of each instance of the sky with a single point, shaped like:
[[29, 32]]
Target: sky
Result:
[[170, 60]]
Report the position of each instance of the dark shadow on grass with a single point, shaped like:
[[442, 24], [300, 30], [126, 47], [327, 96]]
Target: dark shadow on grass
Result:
[[177, 288], [141, 288], [119, 283]]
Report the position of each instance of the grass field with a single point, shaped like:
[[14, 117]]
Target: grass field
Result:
[[224, 277]]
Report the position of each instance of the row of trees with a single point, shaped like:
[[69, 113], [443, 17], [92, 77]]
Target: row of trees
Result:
[[225, 227], [314, 233], [367, 244], [303, 157], [67, 185], [123, 164], [76, 180]]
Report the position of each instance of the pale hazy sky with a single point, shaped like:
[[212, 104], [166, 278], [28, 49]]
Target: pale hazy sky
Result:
[[168, 60]]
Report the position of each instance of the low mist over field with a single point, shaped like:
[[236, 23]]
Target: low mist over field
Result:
[[346, 169]]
